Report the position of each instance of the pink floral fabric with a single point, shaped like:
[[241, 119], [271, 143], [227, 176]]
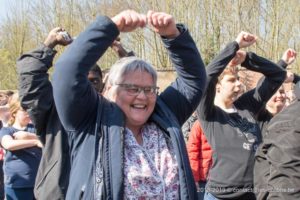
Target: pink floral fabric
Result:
[[150, 169]]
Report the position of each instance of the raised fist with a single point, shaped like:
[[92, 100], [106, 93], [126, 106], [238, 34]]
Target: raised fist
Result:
[[129, 20], [289, 56], [55, 37], [163, 24], [245, 39]]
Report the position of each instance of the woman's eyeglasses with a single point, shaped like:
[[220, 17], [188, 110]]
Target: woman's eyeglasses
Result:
[[135, 90]]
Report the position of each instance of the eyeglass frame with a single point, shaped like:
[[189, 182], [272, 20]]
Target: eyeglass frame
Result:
[[153, 89]]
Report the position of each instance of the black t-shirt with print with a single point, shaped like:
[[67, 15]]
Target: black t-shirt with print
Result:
[[234, 137]]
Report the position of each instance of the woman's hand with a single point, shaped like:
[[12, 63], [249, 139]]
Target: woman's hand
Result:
[[163, 24], [129, 20]]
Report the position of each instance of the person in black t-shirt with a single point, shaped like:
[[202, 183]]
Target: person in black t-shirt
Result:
[[228, 118]]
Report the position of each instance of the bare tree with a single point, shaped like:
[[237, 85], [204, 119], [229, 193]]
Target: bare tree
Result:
[[211, 23]]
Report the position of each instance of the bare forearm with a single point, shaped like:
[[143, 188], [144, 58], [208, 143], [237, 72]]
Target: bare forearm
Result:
[[14, 145], [23, 135]]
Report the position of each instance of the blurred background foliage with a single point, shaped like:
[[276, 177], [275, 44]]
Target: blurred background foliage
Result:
[[211, 23]]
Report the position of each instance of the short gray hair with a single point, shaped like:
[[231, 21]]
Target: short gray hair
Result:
[[126, 65]]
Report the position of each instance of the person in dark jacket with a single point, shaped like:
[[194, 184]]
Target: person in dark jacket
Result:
[[279, 155], [37, 98], [130, 139], [228, 118], [265, 168]]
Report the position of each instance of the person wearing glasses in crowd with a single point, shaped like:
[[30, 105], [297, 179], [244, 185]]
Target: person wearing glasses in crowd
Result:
[[129, 138]]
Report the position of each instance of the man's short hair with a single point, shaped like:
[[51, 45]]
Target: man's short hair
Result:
[[228, 71]]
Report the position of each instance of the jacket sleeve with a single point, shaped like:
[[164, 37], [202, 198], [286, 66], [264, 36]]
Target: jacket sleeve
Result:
[[283, 64], [213, 70], [296, 78], [194, 150], [75, 98], [185, 92], [274, 76], [35, 89], [283, 154]]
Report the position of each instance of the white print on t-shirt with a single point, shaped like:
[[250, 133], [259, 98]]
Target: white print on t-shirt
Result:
[[249, 146], [248, 129]]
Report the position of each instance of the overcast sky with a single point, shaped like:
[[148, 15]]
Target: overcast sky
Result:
[[4, 6]]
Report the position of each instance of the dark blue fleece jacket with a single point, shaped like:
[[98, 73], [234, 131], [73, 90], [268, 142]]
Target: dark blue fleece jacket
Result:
[[96, 146]]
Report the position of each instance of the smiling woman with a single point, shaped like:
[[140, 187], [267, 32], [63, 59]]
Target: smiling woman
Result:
[[135, 76], [124, 69], [138, 141]]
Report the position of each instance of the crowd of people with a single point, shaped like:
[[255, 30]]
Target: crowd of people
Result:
[[86, 135]]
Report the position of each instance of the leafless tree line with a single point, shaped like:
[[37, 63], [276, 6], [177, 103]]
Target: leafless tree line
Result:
[[212, 24]]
